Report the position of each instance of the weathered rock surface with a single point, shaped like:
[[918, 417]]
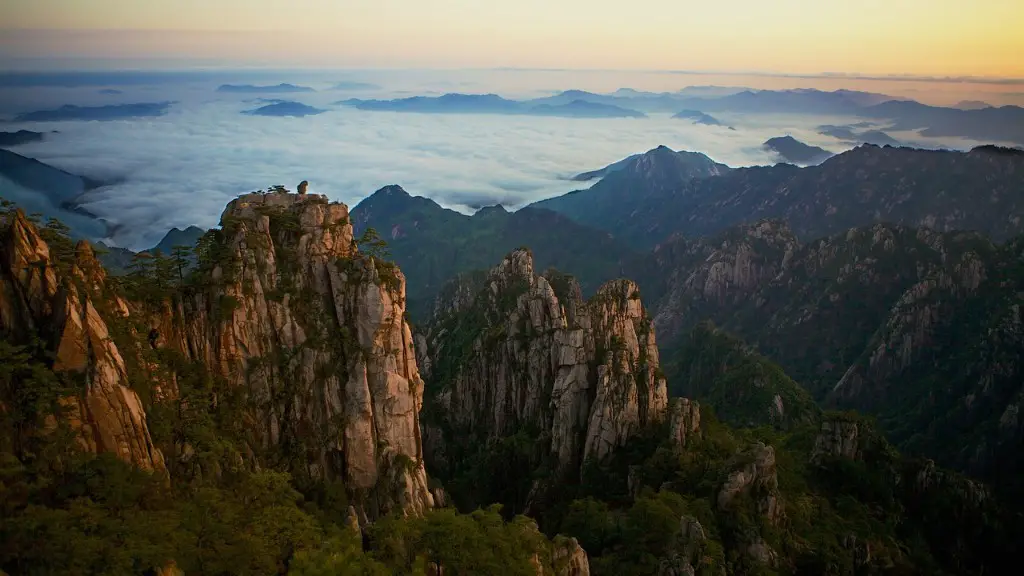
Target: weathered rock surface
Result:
[[756, 476], [689, 547], [683, 421], [715, 273], [314, 332], [838, 438], [526, 352], [919, 327], [62, 308], [569, 558]]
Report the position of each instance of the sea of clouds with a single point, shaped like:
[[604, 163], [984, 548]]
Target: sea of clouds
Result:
[[182, 168]]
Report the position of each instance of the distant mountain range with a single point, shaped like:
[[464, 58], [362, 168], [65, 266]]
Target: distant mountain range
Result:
[[119, 260], [109, 112], [433, 244], [1004, 124], [971, 105], [253, 89], [654, 174], [793, 151], [658, 197], [8, 139], [698, 117], [285, 108], [849, 134], [494, 104], [354, 86], [54, 193]]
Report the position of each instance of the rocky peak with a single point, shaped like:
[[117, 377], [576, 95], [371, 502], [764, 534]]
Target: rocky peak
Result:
[[684, 421], [689, 548], [28, 263], [668, 168], [518, 265], [72, 319], [838, 438], [569, 558], [314, 332], [754, 474], [528, 353]]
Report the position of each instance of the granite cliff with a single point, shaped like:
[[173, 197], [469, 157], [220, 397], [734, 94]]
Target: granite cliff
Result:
[[514, 354], [283, 309], [314, 331], [61, 309], [920, 327]]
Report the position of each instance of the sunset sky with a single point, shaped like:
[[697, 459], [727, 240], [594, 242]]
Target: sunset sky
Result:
[[921, 37]]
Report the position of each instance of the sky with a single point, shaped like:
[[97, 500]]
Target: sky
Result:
[[917, 37]]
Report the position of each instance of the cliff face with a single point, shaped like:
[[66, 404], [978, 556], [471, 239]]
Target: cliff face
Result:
[[526, 352], [921, 328], [709, 276], [59, 302], [314, 332], [282, 310]]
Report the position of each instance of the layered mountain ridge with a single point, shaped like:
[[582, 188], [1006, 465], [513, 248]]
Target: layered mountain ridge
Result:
[[282, 368], [935, 189]]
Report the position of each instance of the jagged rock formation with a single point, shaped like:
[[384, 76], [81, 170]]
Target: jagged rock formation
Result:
[[683, 421], [689, 548], [755, 475], [284, 310], [838, 438], [875, 319], [570, 558], [314, 332], [526, 352], [61, 302], [708, 275]]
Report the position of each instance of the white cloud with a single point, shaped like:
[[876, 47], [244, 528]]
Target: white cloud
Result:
[[181, 169]]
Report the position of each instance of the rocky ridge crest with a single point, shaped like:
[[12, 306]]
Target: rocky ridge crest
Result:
[[527, 352]]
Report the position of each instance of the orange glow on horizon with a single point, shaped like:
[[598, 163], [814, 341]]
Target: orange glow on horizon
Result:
[[921, 37]]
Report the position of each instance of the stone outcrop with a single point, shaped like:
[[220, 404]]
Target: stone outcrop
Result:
[[689, 547], [314, 332], [59, 299], [838, 438], [755, 475], [569, 558], [683, 421], [526, 352]]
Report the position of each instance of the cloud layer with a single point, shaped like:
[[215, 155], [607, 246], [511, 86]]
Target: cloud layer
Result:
[[182, 168]]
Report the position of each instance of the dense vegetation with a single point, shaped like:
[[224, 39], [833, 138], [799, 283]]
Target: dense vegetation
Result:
[[825, 515], [747, 388], [810, 512]]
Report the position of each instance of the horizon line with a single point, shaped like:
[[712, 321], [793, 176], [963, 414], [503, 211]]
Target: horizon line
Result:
[[214, 65]]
